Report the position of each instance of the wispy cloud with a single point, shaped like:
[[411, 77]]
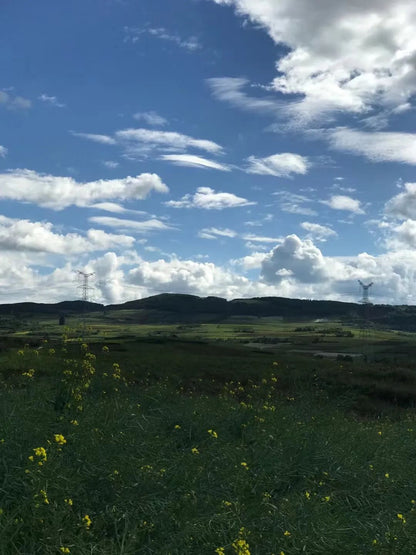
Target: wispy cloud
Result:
[[379, 146], [230, 89], [14, 102], [3, 151], [318, 232], [151, 118], [111, 164], [140, 141], [96, 138], [279, 165], [194, 162], [144, 226], [216, 233], [208, 199], [51, 100], [294, 203], [134, 34]]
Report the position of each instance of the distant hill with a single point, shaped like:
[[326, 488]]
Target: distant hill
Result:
[[179, 308]]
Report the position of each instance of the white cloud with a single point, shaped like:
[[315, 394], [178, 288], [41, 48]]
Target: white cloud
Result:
[[403, 205], [140, 141], [144, 226], [318, 232], [151, 118], [133, 34], [343, 202], [27, 236], [3, 151], [57, 193], [111, 164], [261, 239], [350, 56], [51, 100], [230, 89], [280, 165], [381, 146], [14, 102], [96, 138], [294, 203], [208, 199], [194, 162], [215, 233]]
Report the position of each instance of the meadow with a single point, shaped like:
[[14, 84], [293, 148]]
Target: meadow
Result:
[[233, 438]]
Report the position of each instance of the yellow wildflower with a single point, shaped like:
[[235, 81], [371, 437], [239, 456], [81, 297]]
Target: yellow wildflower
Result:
[[401, 517], [195, 450], [63, 549], [59, 438], [74, 422], [327, 498], [241, 547], [220, 551], [244, 465], [69, 501], [213, 434], [307, 495], [177, 427], [45, 496], [87, 521], [287, 533]]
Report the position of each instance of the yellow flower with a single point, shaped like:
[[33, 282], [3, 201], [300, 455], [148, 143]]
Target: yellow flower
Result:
[[379, 433], [41, 453], [45, 496], [307, 495], [87, 521], [375, 542], [177, 427], [59, 438], [327, 498], [63, 549], [387, 475], [195, 451], [241, 547], [213, 434], [220, 551], [105, 349], [226, 503], [69, 501], [287, 533], [74, 422], [244, 465], [401, 517]]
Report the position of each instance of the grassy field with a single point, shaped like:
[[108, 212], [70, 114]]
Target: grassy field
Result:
[[234, 438]]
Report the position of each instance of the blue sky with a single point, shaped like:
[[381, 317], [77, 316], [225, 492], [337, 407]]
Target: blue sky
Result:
[[214, 147]]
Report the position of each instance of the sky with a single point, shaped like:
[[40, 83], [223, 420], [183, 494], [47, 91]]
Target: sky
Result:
[[236, 148]]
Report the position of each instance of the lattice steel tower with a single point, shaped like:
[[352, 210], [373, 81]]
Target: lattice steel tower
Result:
[[85, 288], [365, 288]]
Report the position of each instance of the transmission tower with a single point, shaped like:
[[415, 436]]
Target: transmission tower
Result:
[[365, 288], [85, 288]]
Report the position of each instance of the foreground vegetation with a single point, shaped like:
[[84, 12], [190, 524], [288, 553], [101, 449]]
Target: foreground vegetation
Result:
[[174, 443]]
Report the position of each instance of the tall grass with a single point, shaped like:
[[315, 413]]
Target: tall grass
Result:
[[99, 459]]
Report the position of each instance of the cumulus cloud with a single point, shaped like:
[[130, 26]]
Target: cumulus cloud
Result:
[[403, 205], [57, 193], [208, 199], [343, 202], [318, 232], [280, 165], [144, 226], [348, 57], [28, 236], [193, 161], [297, 258], [381, 146], [151, 118]]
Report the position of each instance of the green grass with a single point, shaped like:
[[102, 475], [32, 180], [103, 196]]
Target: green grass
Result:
[[328, 447]]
